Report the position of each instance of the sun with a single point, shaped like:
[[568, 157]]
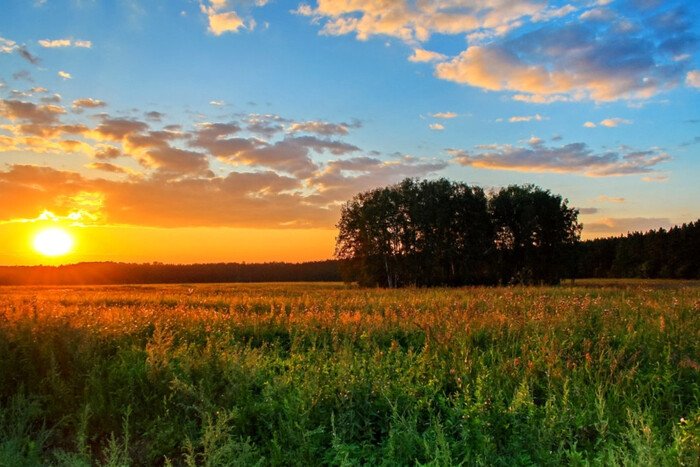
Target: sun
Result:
[[53, 241]]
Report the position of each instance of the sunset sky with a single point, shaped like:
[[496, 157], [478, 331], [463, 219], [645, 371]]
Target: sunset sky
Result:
[[198, 131]]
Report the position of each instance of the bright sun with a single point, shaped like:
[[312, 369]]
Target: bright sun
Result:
[[53, 241]]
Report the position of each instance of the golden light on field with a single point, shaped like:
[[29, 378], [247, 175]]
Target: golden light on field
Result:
[[53, 241]]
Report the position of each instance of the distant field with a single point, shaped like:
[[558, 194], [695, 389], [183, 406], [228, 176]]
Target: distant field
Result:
[[602, 372]]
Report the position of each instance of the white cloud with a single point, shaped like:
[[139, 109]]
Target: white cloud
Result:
[[64, 75], [445, 115], [436, 126], [526, 118], [7, 46], [61, 43]]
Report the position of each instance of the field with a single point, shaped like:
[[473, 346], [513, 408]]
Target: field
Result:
[[305, 374]]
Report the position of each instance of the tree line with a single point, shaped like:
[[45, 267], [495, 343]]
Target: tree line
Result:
[[158, 273], [668, 254], [438, 232]]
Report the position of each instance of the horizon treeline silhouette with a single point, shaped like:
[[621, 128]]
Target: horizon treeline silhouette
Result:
[[105, 273], [656, 254]]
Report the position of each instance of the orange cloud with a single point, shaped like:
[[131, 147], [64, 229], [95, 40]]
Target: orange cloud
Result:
[[280, 184], [426, 56]]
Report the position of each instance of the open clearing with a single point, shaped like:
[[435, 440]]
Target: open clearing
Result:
[[603, 372]]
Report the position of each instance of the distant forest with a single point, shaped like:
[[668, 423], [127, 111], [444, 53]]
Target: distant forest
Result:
[[668, 254], [157, 273], [663, 254]]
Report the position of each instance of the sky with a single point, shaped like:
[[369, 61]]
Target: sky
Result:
[[234, 130]]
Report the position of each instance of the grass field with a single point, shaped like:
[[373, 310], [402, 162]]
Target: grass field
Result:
[[305, 374]]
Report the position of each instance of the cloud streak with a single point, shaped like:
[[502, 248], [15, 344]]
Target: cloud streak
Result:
[[571, 158]]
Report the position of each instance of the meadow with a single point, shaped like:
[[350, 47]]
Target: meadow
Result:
[[595, 373]]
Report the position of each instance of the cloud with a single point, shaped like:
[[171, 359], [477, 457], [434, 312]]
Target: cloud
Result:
[[526, 118], [221, 21], [176, 161], [29, 112], [116, 129], [613, 122], [154, 116], [105, 152], [7, 46], [55, 43], [436, 126], [262, 199], [27, 55], [655, 178], [264, 128], [414, 22], [65, 75], [587, 211], [426, 56], [571, 158], [522, 47], [610, 199], [341, 179], [217, 103], [693, 78], [62, 43], [88, 103], [52, 99], [290, 155], [23, 75], [623, 225], [572, 61], [446, 115], [609, 123], [322, 128], [109, 167]]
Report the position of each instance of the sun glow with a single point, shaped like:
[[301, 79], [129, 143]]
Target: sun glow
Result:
[[53, 241]]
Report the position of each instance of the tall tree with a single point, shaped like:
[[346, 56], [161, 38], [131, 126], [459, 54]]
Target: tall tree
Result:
[[416, 233], [535, 235]]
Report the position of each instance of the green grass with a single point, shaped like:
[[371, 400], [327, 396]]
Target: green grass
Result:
[[599, 373]]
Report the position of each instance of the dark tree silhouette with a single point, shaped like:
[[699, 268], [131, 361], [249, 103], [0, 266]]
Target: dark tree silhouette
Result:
[[535, 235], [670, 254], [446, 233], [416, 233]]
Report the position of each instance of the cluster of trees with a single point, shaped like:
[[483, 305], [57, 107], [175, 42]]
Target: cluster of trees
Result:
[[158, 273], [438, 232], [671, 254]]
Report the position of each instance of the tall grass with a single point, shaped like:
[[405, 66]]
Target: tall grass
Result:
[[326, 374]]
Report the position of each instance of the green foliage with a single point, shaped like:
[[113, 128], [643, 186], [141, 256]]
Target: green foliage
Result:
[[327, 374]]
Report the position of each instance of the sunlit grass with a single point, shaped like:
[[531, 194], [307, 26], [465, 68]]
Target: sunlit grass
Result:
[[305, 374]]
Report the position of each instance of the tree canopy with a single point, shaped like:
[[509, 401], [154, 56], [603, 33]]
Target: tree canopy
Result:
[[438, 232]]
